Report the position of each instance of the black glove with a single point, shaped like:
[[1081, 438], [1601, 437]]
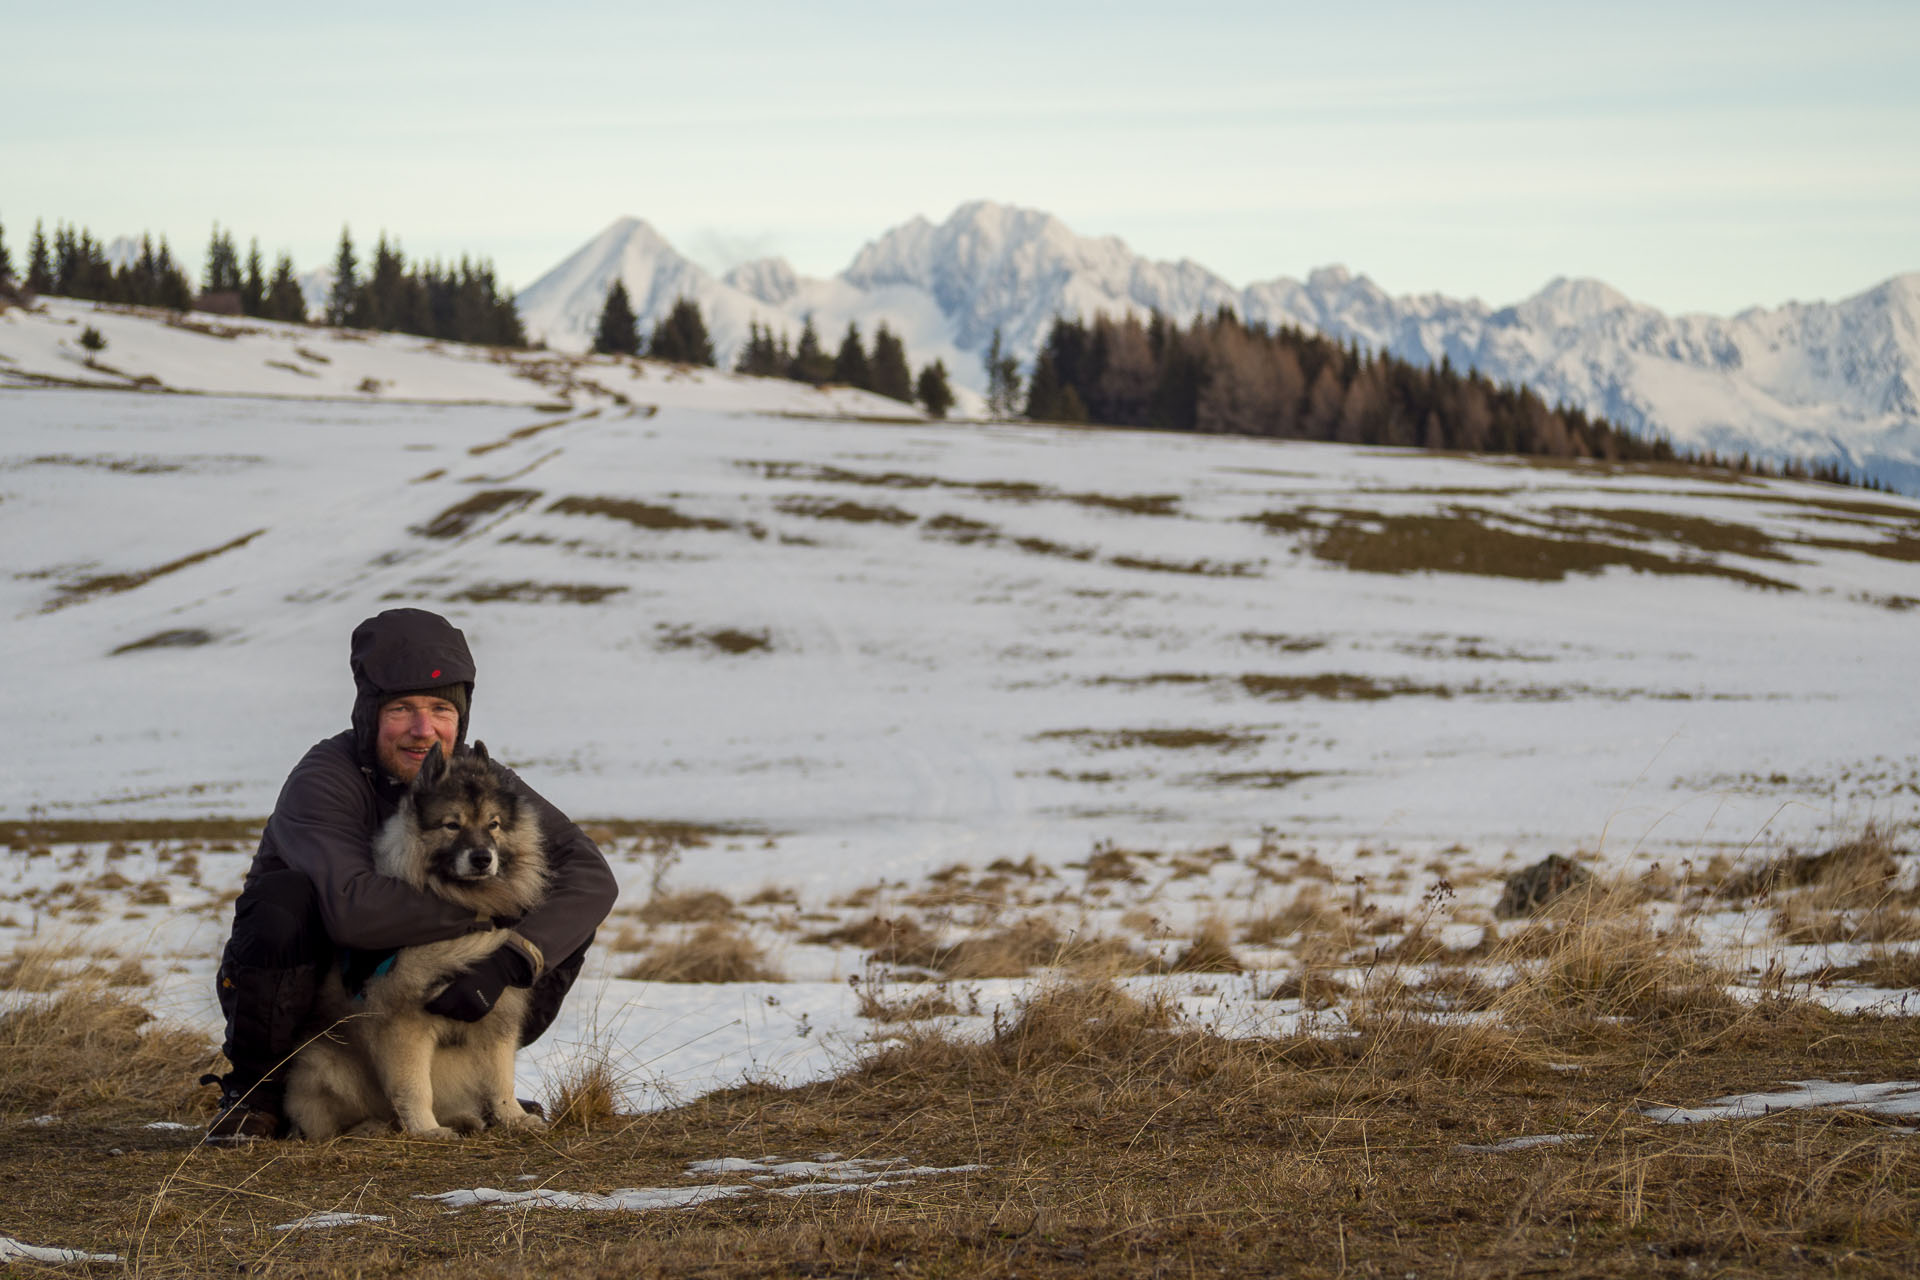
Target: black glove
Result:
[[474, 991]]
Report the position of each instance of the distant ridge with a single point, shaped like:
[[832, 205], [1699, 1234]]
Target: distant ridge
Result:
[[1823, 382]]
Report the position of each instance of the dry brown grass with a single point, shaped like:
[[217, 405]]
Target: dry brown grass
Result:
[[465, 515], [687, 907], [1110, 1139], [714, 953], [1209, 951], [585, 1094], [641, 515], [1854, 874], [914, 1006], [91, 1050], [1473, 542], [1598, 966]]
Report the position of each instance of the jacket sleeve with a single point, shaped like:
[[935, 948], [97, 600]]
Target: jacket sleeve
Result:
[[323, 824], [581, 892]]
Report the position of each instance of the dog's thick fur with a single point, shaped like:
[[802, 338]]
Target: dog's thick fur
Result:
[[381, 1059]]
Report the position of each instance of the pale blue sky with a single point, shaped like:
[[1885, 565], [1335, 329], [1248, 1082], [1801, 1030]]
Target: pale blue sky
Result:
[[1699, 156]]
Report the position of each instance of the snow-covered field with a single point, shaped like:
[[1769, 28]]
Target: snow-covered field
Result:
[[866, 651]]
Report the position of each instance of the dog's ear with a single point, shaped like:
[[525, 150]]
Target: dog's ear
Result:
[[432, 769], [480, 750]]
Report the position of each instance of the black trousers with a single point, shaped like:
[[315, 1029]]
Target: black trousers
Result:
[[271, 971]]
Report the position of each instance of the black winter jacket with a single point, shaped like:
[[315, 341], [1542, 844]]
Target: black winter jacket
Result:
[[337, 797]]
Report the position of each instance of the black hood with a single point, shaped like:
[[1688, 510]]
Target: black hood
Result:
[[399, 652]]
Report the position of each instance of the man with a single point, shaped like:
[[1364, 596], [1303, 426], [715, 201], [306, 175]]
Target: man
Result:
[[312, 897]]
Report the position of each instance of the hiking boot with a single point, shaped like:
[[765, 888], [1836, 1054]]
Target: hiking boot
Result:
[[242, 1115], [532, 1107]]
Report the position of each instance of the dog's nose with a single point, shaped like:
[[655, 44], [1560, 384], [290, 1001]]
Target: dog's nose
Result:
[[480, 862]]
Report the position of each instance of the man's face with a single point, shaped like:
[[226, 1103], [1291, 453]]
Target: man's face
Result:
[[408, 729]]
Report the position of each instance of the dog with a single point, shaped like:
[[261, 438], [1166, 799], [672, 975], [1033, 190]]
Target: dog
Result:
[[377, 1058]]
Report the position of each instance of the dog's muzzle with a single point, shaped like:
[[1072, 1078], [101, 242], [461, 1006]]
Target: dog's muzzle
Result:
[[476, 863]]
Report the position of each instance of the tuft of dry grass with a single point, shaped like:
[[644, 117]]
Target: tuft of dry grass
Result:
[[584, 1094], [918, 1006], [1599, 965], [688, 907], [715, 953], [1208, 952], [88, 1049], [1857, 873]]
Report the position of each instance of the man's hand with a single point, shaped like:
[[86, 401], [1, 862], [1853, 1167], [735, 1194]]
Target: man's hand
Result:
[[473, 992]]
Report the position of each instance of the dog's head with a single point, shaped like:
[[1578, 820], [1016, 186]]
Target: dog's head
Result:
[[475, 838]]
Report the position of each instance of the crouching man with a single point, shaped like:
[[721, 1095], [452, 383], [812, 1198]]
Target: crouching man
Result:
[[312, 897]]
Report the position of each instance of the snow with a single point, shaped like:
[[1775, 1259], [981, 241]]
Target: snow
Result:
[[1522, 1144], [321, 1221], [634, 1199], [1890, 1098], [11, 1249], [825, 1175]]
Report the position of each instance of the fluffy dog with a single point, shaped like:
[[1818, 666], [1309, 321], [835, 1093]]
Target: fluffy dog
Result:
[[378, 1058]]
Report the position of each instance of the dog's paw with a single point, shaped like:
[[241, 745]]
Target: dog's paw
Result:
[[525, 1122], [436, 1133]]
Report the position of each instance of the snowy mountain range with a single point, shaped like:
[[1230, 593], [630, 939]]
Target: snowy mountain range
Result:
[[1820, 381]]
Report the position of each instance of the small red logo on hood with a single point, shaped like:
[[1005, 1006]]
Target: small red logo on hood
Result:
[[435, 675]]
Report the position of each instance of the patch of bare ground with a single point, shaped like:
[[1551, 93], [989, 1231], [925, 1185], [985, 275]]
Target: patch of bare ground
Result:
[[25, 833], [465, 515], [660, 835], [850, 512], [1143, 504], [1282, 642], [1106, 1137], [1702, 533], [1334, 686], [1157, 739], [530, 592], [1256, 780], [1904, 547], [641, 515], [727, 640], [84, 589], [1195, 568], [172, 638], [1474, 542], [515, 436]]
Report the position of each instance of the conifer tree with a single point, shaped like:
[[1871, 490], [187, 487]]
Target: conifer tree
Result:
[[761, 356], [891, 376], [6, 259], [682, 336], [171, 288], [382, 302], [343, 300], [39, 265], [221, 273], [618, 334], [810, 363], [850, 366], [284, 299], [253, 291], [933, 390], [1003, 380]]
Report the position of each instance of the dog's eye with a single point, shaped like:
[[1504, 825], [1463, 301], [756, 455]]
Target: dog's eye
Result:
[[494, 825], [450, 825]]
